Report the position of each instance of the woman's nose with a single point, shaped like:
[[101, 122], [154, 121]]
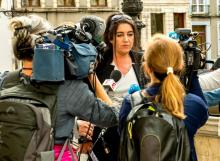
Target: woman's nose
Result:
[[125, 38]]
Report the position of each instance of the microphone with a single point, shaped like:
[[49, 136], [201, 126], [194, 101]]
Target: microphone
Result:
[[110, 84], [134, 88], [116, 75], [93, 25]]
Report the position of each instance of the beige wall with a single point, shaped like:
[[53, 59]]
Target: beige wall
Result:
[[168, 8]]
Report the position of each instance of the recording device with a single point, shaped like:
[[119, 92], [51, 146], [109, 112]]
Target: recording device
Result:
[[187, 39], [76, 50], [110, 84], [194, 56]]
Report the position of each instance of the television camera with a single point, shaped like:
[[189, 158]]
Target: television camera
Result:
[[80, 46], [194, 55]]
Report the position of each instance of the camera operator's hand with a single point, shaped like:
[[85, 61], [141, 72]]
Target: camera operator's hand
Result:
[[85, 129], [86, 148]]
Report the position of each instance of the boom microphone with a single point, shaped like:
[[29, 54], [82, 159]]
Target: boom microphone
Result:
[[93, 25], [110, 84]]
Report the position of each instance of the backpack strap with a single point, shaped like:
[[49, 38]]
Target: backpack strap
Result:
[[66, 144], [136, 98]]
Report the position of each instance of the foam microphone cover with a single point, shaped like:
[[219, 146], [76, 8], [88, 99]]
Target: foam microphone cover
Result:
[[95, 26], [115, 75]]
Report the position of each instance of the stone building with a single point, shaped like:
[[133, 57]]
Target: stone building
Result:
[[205, 16], [164, 16], [57, 12], [60, 11]]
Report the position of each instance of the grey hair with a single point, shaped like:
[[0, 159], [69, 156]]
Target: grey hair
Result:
[[26, 37], [37, 23]]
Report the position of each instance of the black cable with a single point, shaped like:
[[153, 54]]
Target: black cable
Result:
[[94, 89]]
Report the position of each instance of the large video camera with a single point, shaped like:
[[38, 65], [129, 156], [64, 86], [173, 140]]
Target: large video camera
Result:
[[194, 56], [79, 45]]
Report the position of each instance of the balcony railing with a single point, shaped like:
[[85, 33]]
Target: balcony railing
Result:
[[200, 10]]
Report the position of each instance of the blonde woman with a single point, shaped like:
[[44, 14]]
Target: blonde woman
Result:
[[162, 61]]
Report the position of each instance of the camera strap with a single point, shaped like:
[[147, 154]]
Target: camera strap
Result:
[[63, 44]]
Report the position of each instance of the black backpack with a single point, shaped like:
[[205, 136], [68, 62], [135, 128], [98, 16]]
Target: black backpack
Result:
[[152, 134], [27, 120]]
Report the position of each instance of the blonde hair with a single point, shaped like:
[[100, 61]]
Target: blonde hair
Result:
[[163, 54]]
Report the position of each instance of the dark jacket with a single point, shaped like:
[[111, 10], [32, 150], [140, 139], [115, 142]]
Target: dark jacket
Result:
[[111, 137], [105, 68]]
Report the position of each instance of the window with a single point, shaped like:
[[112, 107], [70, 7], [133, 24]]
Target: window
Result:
[[66, 3], [97, 3], [200, 6], [178, 20], [156, 23], [30, 3], [201, 38]]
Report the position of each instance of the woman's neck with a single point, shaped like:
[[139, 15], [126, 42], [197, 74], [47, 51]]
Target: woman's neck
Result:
[[123, 62], [153, 79]]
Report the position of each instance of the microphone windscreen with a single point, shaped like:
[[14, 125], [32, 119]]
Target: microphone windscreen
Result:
[[95, 26], [115, 75], [134, 88]]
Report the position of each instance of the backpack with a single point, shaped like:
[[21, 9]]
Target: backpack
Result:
[[152, 134], [9, 79], [27, 117]]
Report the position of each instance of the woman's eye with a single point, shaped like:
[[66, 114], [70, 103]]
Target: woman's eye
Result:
[[119, 35], [130, 34]]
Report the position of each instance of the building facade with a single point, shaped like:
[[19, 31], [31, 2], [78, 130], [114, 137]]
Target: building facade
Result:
[[164, 16], [157, 16], [205, 16], [60, 11], [57, 12]]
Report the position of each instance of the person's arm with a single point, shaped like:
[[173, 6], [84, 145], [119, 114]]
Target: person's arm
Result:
[[124, 111], [210, 81], [195, 87], [75, 97], [212, 97]]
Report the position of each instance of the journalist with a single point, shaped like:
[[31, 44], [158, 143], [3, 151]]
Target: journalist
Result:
[[121, 54], [163, 60]]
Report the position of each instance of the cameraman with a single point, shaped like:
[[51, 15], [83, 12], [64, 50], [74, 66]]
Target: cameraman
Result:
[[74, 98]]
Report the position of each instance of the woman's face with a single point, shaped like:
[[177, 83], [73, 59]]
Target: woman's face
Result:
[[124, 39]]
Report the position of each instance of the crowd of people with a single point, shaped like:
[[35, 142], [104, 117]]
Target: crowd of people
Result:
[[89, 108]]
